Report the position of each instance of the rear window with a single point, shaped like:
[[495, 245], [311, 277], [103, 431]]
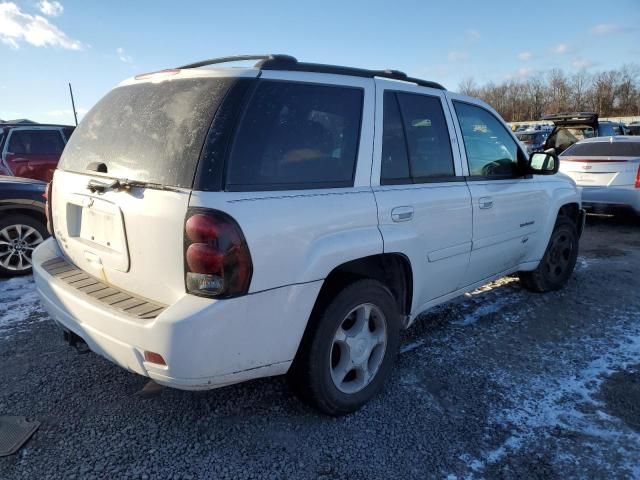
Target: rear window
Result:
[[604, 149], [149, 132], [36, 142], [296, 136]]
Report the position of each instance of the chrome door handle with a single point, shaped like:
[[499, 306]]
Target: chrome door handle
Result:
[[485, 202], [402, 214]]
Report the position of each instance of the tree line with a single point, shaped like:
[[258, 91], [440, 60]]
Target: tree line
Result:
[[610, 93]]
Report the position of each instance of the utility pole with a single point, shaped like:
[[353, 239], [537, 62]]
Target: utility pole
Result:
[[73, 105]]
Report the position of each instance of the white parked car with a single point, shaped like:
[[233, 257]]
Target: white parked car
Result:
[[215, 225], [607, 169]]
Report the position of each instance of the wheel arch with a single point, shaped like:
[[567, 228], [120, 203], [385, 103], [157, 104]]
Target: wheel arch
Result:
[[33, 212], [564, 201]]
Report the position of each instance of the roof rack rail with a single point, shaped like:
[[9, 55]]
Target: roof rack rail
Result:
[[240, 58], [287, 62]]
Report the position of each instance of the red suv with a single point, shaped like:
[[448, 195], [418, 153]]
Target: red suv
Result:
[[32, 150]]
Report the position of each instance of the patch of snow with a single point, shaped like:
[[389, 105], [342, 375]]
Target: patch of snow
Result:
[[550, 401], [19, 304], [412, 346]]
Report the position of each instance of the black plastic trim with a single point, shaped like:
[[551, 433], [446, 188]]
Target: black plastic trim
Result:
[[480, 178], [210, 171], [240, 58], [287, 62], [278, 64], [421, 180]]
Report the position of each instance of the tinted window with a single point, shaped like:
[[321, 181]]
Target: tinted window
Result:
[[427, 135], [395, 162], [36, 142], [296, 136], [491, 150], [604, 149], [150, 132]]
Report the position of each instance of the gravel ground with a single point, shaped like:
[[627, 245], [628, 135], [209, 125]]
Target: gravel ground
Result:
[[501, 383]]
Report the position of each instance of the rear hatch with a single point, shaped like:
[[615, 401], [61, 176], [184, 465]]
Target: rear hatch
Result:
[[121, 192], [602, 164], [570, 128]]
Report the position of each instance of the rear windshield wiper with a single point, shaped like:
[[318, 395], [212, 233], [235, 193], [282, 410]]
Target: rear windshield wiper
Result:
[[124, 184]]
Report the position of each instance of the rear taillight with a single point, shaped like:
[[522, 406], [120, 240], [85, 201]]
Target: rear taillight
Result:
[[638, 178], [217, 259], [47, 207]]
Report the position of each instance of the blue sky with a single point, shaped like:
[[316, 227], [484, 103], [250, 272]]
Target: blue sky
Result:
[[44, 43]]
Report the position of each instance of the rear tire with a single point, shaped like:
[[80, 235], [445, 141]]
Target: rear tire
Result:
[[19, 235], [348, 350], [558, 261]]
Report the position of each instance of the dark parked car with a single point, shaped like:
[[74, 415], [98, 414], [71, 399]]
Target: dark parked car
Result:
[[22, 223], [533, 139], [31, 150], [570, 128]]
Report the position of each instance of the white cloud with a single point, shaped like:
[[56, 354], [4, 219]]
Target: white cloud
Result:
[[581, 63], [560, 49], [605, 28], [525, 56], [472, 35], [521, 73], [524, 72], [17, 27], [455, 56], [51, 9], [122, 55]]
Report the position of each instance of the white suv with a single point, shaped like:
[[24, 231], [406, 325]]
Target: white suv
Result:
[[215, 225]]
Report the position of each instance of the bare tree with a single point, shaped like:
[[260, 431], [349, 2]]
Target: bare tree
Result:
[[609, 93]]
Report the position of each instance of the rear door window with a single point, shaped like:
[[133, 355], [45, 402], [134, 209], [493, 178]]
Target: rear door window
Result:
[[428, 140], [36, 142], [395, 160], [296, 136], [416, 147]]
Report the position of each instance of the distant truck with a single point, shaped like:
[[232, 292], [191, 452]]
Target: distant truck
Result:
[[32, 150], [570, 128]]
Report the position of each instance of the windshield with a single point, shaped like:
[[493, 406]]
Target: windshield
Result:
[[604, 149], [149, 132]]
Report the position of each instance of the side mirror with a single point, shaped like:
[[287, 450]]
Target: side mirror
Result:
[[544, 163]]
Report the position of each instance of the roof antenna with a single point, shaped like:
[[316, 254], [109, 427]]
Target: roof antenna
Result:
[[73, 105]]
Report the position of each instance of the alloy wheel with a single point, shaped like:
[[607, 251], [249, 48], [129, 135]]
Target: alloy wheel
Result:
[[17, 243], [358, 348]]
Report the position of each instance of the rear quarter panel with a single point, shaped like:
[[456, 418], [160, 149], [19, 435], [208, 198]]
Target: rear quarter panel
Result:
[[299, 237]]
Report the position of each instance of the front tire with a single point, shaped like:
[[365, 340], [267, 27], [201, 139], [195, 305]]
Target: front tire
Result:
[[349, 349], [558, 261]]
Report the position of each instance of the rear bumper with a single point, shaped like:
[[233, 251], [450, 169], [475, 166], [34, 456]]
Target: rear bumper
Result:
[[594, 197], [205, 343]]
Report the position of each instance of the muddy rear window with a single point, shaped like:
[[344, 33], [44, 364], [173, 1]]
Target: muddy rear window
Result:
[[150, 132]]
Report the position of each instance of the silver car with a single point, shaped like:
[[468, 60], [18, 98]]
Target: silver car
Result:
[[607, 169]]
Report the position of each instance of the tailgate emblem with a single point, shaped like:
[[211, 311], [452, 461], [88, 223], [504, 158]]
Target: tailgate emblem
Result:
[[586, 167]]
